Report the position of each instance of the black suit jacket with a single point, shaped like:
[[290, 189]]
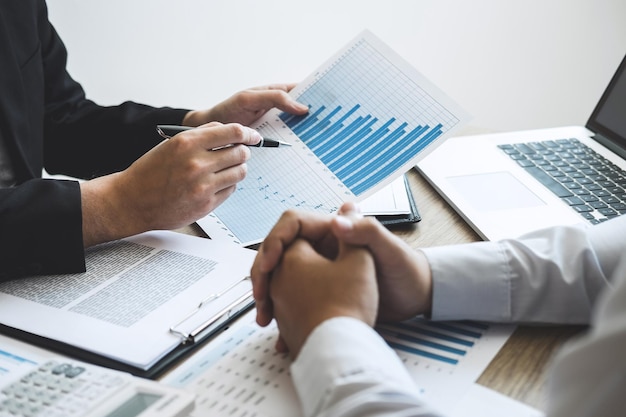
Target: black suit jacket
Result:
[[46, 121]]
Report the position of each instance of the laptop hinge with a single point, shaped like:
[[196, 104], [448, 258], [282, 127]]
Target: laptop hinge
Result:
[[610, 144]]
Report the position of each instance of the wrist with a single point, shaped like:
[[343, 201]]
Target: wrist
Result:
[[305, 325], [104, 214], [424, 283], [196, 118]]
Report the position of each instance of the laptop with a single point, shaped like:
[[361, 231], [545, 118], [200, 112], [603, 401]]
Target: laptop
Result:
[[508, 184]]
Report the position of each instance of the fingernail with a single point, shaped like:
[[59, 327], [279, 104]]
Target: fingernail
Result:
[[256, 135], [345, 223]]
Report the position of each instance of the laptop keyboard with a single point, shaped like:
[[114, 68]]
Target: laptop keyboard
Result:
[[583, 179]]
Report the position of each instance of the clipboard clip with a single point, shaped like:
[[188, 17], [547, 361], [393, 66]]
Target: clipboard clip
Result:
[[217, 319]]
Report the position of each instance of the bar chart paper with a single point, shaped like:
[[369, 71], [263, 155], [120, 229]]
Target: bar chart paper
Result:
[[240, 373], [371, 117]]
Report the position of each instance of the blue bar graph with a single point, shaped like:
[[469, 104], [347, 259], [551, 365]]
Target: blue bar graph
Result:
[[424, 353], [364, 135], [370, 115], [360, 149], [443, 342]]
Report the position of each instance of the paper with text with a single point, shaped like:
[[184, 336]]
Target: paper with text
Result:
[[240, 373], [133, 291]]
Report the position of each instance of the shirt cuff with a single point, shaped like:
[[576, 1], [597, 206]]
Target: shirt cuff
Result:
[[340, 350], [470, 282]]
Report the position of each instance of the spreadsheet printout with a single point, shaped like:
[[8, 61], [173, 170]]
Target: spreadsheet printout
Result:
[[371, 117], [240, 373]]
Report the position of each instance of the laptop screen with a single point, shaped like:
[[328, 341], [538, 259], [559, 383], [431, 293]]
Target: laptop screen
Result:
[[609, 117]]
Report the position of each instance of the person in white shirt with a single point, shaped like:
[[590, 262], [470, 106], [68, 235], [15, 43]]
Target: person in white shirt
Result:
[[327, 279]]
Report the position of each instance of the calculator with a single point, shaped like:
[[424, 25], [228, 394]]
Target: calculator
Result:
[[59, 387]]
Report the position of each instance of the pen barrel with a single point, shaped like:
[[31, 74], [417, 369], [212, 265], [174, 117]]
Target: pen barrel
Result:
[[167, 131], [268, 143]]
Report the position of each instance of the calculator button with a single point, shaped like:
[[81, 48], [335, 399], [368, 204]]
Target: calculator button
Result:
[[59, 389]]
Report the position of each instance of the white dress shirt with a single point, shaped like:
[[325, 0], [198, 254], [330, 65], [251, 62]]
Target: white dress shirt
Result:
[[551, 276]]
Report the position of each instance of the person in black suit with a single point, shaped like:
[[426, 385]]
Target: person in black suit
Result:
[[135, 181]]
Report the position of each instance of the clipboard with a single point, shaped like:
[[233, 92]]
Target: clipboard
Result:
[[181, 329], [182, 351]]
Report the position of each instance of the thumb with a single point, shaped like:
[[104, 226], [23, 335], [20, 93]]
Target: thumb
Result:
[[280, 345], [355, 229], [369, 233], [353, 253]]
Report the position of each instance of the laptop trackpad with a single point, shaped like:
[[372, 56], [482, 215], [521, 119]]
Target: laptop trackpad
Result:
[[495, 191]]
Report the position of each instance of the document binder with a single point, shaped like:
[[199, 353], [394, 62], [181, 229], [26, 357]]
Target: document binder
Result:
[[411, 215], [154, 372], [142, 324]]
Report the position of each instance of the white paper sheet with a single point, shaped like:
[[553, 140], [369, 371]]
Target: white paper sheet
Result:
[[372, 117], [240, 371], [133, 291], [392, 199], [484, 402]]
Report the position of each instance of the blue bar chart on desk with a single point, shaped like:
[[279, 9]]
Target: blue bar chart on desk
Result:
[[441, 344], [371, 115], [445, 357]]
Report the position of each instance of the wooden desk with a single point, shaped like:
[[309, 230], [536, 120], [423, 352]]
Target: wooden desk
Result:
[[519, 369]]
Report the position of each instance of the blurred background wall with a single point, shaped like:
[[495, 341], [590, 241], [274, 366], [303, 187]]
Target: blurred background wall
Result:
[[511, 64]]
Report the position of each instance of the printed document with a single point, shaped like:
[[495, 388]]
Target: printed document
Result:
[[371, 117], [134, 290], [240, 373]]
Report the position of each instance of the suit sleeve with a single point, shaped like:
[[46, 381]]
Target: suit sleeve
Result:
[[41, 220], [41, 227], [83, 139]]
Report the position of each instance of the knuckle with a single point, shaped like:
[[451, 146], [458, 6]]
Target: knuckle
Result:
[[370, 221], [290, 214], [243, 153], [240, 172], [246, 98], [181, 142], [192, 165], [228, 191], [199, 191], [237, 130], [371, 224]]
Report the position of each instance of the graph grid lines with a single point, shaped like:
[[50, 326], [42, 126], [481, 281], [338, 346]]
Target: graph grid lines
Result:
[[370, 115], [275, 182], [367, 118]]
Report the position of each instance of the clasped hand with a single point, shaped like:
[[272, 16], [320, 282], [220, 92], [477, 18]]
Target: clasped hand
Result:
[[313, 267]]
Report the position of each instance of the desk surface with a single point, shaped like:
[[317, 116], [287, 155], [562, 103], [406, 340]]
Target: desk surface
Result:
[[519, 369]]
